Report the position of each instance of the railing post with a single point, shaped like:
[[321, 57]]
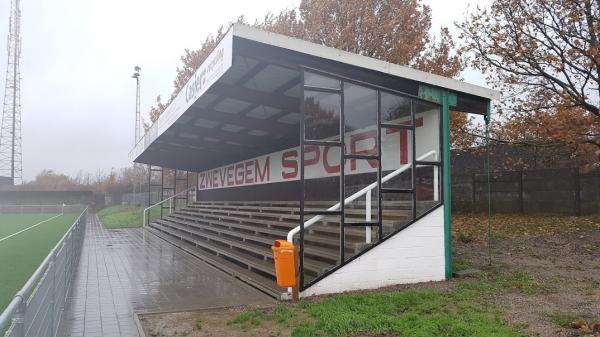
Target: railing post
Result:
[[52, 269], [19, 319], [368, 229]]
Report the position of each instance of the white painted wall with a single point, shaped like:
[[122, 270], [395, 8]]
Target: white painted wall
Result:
[[414, 255]]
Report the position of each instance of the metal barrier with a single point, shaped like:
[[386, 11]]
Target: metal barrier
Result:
[[366, 192], [36, 310], [190, 193]]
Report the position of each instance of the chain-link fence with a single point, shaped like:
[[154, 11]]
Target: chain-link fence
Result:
[[37, 308], [552, 191]]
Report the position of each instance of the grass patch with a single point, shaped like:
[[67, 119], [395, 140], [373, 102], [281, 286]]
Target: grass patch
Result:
[[460, 265], [124, 216], [406, 313], [520, 281], [20, 255], [563, 319]]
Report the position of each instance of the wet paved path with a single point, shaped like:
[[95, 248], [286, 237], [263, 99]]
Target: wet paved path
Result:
[[125, 271]]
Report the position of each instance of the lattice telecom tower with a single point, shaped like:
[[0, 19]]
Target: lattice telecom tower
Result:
[[11, 171]]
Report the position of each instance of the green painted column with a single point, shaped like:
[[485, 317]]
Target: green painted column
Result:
[[446, 99], [447, 179]]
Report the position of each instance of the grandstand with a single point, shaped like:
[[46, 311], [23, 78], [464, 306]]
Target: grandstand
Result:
[[344, 155]]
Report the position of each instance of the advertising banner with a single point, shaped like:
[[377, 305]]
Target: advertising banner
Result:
[[321, 161]]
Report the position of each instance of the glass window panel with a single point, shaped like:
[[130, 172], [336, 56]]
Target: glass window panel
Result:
[[360, 108], [322, 177], [396, 211], [359, 175], [396, 154], [428, 187], [322, 115], [427, 131], [395, 109], [320, 81], [321, 247]]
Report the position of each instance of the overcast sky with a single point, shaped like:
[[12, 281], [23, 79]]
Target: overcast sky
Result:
[[77, 58]]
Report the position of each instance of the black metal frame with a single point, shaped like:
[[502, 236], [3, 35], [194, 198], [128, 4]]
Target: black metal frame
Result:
[[344, 156], [176, 178]]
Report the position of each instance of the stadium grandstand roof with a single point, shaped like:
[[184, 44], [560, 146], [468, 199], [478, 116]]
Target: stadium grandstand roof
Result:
[[244, 100]]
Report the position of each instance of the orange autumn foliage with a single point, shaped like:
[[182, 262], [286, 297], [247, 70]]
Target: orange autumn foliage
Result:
[[396, 31]]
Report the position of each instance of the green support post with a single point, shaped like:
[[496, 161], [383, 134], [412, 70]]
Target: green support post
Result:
[[447, 190], [446, 99]]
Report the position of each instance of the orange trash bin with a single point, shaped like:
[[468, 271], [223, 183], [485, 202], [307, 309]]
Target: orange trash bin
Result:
[[284, 254]]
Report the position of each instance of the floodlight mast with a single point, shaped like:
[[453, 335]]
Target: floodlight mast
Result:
[[10, 131], [138, 128], [138, 117]]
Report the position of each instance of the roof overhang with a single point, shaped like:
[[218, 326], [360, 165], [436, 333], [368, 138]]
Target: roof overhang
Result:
[[243, 101]]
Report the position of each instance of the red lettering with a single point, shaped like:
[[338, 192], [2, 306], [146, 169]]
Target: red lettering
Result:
[[329, 168], [230, 175], [404, 139], [214, 179], [248, 172], [239, 174], [289, 161], [201, 181], [315, 158], [223, 175], [354, 139], [265, 175], [208, 179]]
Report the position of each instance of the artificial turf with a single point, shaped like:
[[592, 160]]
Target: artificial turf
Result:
[[20, 255], [12, 223]]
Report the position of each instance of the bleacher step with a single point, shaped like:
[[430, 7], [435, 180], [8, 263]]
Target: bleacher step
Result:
[[262, 283]]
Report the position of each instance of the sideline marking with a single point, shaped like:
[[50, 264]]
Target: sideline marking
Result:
[[30, 227]]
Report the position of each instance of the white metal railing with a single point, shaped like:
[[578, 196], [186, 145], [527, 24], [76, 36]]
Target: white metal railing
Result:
[[366, 191], [146, 215], [36, 310]]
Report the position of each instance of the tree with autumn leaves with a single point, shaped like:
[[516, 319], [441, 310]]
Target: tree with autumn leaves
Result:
[[544, 55], [397, 31]]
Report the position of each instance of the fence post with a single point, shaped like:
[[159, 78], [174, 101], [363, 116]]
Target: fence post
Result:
[[473, 192], [577, 185], [368, 229], [521, 202], [52, 269], [19, 320]]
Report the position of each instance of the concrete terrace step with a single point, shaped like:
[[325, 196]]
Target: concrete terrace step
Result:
[[350, 209], [278, 229], [316, 252], [331, 228], [237, 236], [265, 284], [254, 257], [287, 213], [218, 234]]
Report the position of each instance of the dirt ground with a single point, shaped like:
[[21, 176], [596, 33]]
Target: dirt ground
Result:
[[565, 268], [545, 282], [213, 322]]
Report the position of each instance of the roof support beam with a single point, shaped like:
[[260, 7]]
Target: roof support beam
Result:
[[257, 97], [242, 137], [272, 127]]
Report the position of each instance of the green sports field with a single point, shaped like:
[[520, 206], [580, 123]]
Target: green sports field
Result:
[[22, 253]]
